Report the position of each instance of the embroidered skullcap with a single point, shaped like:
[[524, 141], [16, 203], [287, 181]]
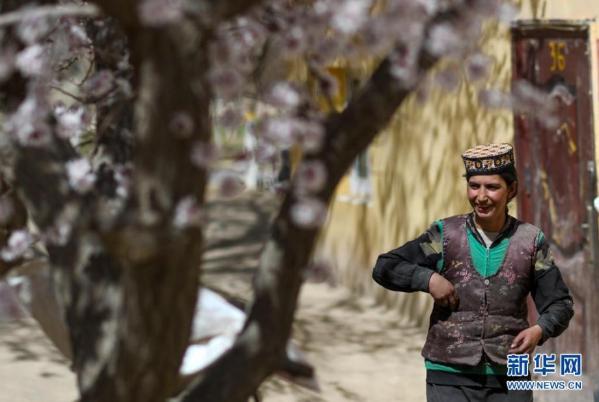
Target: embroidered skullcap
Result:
[[489, 159]]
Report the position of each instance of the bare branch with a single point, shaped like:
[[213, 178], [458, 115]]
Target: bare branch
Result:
[[69, 94], [54, 11]]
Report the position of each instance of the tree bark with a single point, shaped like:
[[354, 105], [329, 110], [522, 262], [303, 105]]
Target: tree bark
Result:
[[260, 347]]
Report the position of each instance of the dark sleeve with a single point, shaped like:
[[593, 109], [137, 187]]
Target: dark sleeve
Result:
[[409, 267], [550, 293]]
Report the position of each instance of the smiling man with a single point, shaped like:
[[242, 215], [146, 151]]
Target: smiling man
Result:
[[479, 269]]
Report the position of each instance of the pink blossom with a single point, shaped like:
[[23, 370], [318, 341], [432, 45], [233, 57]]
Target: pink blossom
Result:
[[226, 82], [203, 154], [230, 118], [18, 243], [31, 61], [403, 65], [99, 84], [294, 41], [181, 124], [310, 177], [80, 175], [477, 66], [157, 13], [448, 79], [308, 213], [230, 185], [311, 136], [188, 213], [494, 99]]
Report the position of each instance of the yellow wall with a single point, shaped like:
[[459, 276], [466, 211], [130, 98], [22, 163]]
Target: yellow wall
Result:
[[416, 169]]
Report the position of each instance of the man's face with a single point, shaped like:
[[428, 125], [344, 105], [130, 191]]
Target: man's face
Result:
[[488, 196]]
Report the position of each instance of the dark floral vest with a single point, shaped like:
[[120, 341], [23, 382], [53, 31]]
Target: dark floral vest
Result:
[[492, 310]]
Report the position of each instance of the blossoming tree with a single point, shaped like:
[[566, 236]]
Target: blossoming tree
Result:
[[115, 180]]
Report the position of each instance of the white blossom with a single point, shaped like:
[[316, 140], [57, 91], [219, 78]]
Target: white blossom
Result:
[[508, 12], [28, 125], [31, 61], [284, 95], [80, 175], [72, 122], [308, 213], [529, 99], [60, 232], [278, 130], [122, 175], [18, 243], [265, 152], [77, 36], [561, 93], [188, 213], [351, 15], [444, 39], [429, 6], [32, 29], [156, 13]]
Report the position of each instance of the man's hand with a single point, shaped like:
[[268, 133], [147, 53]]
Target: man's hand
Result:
[[443, 291], [526, 341]]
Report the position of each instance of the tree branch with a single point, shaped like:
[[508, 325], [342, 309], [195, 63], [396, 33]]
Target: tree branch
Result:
[[50, 11], [260, 347]]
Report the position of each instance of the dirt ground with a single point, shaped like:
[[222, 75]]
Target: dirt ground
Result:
[[359, 350]]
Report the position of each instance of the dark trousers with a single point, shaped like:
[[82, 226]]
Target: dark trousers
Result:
[[462, 393]]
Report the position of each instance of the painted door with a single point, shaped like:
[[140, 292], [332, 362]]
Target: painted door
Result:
[[557, 169]]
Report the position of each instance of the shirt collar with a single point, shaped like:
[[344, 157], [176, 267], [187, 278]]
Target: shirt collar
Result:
[[508, 228]]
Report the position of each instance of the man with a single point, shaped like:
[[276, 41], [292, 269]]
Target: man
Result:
[[479, 269]]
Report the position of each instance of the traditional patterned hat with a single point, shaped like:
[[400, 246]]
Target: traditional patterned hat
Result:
[[489, 159]]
